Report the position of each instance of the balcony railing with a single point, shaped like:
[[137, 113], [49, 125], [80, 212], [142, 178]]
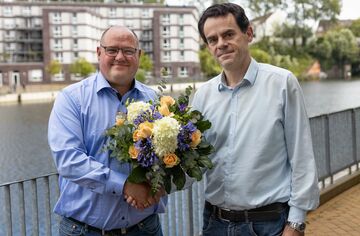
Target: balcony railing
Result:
[[27, 204]]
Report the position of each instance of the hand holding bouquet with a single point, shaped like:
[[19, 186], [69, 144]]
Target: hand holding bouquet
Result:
[[162, 140]]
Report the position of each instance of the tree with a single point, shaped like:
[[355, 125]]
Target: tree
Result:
[[355, 27], [303, 11], [146, 65], [344, 49], [263, 7], [82, 67], [54, 67], [208, 64]]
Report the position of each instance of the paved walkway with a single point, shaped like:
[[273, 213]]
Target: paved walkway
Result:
[[338, 217]]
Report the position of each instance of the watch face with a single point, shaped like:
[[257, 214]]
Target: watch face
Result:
[[297, 226]]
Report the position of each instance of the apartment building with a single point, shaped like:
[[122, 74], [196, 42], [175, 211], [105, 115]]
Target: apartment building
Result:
[[34, 33]]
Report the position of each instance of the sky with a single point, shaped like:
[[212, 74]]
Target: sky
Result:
[[350, 8]]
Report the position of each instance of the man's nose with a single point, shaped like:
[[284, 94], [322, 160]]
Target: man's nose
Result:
[[222, 43], [120, 55]]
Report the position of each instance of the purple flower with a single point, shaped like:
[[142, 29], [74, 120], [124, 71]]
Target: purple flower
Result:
[[146, 156], [182, 107], [184, 136]]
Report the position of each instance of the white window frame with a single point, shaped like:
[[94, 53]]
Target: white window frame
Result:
[[38, 77]]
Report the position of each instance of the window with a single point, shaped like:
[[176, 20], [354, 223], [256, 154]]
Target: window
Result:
[[166, 56], [8, 11], [167, 72], [58, 77], [76, 55], [181, 19], [181, 31], [112, 12], [74, 30], [181, 45], [145, 13], [1, 79], [57, 31], [75, 44], [182, 57], [183, 72], [165, 19], [35, 75], [166, 31], [166, 44], [59, 56], [57, 17], [58, 44], [74, 17]]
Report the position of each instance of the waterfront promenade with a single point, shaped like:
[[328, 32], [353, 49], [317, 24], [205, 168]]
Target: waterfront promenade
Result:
[[338, 217]]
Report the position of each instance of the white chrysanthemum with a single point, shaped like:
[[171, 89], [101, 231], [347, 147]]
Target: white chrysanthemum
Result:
[[135, 108], [165, 133]]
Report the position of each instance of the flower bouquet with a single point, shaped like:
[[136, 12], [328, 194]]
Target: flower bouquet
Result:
[[162, 141]]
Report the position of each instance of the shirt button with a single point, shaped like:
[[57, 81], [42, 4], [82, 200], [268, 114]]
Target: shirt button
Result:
[[114, 192], [123, 218]]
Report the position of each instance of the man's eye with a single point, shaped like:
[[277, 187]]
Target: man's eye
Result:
[[129, 51], [112, 50]]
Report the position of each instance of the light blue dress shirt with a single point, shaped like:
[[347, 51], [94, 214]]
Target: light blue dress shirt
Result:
[[261, 134], [91, 183]]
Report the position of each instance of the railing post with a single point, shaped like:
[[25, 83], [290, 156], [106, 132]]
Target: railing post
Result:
[[21, 209], [47, 206], [34, 204], [327, 147], [7, 207], [354, 141]]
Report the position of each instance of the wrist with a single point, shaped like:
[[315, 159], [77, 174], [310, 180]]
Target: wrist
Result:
[[298, 226]]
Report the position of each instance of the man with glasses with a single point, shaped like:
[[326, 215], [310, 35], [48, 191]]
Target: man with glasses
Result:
[[94, 191]]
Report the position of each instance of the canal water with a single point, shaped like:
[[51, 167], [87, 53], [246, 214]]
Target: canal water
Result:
[[24, 152]]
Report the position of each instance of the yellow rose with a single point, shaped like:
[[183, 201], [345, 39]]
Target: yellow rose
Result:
[[133, 152], [120, 121], [164, 110], [170, 160], [145, 129], [136, 135], [195, 138], [167, 100]]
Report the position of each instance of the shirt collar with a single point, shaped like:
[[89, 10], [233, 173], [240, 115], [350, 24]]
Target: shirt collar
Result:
[[249, 78], [102, 83]]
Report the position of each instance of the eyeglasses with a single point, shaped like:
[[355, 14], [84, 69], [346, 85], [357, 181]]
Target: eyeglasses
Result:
[[113, 51]]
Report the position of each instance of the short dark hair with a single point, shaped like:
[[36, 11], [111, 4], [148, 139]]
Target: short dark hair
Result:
[[224, 9]]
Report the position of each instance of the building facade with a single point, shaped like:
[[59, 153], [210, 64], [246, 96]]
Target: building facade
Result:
[[34, 33]]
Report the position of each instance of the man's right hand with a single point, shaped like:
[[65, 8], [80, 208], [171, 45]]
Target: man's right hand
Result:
[[139, 196]]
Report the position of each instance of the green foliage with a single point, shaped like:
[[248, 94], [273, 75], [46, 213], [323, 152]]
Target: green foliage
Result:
[[82, 67], [145, 65], [260, 55], [54, 67], [140, 75], [208, 64], [355, 27], [263, 7], [344, 46]]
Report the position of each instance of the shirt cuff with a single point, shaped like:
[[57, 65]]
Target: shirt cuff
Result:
[[296, 215], [115, 183]]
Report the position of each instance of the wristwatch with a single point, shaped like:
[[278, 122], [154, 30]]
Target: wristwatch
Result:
[[300, 227]]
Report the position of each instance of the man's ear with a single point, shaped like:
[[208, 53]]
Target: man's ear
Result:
[[250, 34], [98, 52]]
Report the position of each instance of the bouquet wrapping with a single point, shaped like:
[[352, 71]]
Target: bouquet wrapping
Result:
[[162, 140]]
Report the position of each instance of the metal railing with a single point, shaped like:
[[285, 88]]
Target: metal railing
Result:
[[27, 204]]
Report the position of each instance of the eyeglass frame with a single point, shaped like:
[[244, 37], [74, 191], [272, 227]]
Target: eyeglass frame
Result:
[[120, 49]]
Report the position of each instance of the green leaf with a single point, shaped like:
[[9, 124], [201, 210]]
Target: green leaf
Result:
[[203, 125], [178, 177], [195, 173], [137, 175], [167, 185], [204, 161]]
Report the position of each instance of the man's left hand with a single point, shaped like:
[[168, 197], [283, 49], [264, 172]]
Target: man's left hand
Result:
[[288, 231]]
